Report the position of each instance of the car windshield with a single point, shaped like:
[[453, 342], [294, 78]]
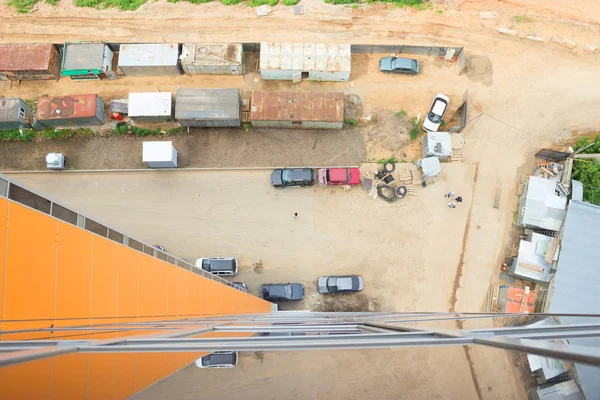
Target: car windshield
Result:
[[332, 284], [437, 111], [288, 291], [434, 117], [206, 360]]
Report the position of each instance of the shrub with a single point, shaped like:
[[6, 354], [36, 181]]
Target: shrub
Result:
[[144, 132], [256, 3], [290, 2], [342, 1], [65, 133], [595, 148], [121, 129], [415, 131], [22, 6], [351, 121], [123, 5], [401, 113], [231, 2], [13, 134], [175, 130], [392, 160]]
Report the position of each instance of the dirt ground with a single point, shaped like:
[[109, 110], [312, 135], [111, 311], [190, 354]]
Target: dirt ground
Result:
[[522, 96]]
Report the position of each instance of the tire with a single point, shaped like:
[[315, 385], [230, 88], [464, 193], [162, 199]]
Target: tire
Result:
[[389, 167], [386, 193], [401, 192], [388, 179]]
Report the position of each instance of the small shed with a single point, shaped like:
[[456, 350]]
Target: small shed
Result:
[[305, 61], [437, 144], [431, 168], [14, 114], [208, 108], [150, 107], [160, 59], [86, 61], [29, 62], [212, 59], [306, 110], [159, 154], [531, 262], [539, 205], [74, 110]]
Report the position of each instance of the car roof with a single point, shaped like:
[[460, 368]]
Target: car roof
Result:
[[221, 264], [439, 106], [299, 174], [219, 358], [337, 174], [400, 62]]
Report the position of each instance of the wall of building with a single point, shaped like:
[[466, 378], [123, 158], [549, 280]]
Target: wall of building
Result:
[[272, 124], [277, 74], [322, 125], [328, 76], [210, 123]]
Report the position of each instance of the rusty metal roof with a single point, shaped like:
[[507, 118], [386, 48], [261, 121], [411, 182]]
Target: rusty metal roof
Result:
[[211, 54], [297, 106], [305, 56], [66, 107], [25, 56]]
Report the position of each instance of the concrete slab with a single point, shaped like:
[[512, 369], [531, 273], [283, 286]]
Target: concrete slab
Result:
[[507, 31], [590, 48], [487, 15], [535, 38]]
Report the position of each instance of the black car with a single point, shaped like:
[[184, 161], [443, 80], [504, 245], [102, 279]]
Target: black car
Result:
[[282, 291], [339, 284], [292, 177], [399, 65]]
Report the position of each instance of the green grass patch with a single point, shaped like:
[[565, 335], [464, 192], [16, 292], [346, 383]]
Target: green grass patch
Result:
[[520, 18], [418, 4], [52, 2], [440, 11], [65, 133], [28, 135], [392, 160], [290, 2], [400, 113], [231, 2], [351, 121], [256, 3], [22, 6], [173, 131], [137, 131], [415, 130], [342, 1], [123, 5]]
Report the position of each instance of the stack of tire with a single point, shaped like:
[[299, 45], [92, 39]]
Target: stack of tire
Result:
[[384, 190]]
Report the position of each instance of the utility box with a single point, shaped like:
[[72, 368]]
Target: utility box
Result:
[[29, 61], [208, 108], [159, 154], [74, 110], [14, 114], [150, 107], [305, 61], [160, 59], [212, 59], [86, 61], [55, 161], [437, 144]]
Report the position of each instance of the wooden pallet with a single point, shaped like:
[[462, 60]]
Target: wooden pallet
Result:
[[411, 190], [497, 197], [456, 156]]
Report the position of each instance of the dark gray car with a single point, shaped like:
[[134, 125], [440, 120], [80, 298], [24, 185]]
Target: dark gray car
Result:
[[297, 177], [399, 65], [282, 291], [339, 284]]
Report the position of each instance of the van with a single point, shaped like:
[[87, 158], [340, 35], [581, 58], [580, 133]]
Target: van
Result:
[[218, 265]]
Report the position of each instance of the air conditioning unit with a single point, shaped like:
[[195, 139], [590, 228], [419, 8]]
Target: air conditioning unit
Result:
[[55, 161]]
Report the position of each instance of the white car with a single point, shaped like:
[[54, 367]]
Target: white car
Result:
[[218, 359], [434, 117]]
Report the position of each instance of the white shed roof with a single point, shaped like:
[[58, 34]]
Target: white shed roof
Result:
[[531, 262], [543, 207], [439, 144], [152, 104], [305, 56], [159, 54], [157, 151]]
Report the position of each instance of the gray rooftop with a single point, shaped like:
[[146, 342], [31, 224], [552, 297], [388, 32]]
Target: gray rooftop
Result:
[[83, 56], [207, 104], [577, 281], [9, 109]]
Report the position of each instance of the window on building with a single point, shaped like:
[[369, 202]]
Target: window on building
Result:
[[28, 198]]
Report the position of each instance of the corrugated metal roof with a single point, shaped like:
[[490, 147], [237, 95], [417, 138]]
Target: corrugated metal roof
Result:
[[212, 104], [66, 107], [83, 56], [578, 279], [149, 104], [543, 207], [9, 109], [211, 54], [326, 57], [297, 106], [25, 57], [159, 54]]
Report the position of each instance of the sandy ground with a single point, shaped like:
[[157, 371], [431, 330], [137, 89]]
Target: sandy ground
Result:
[[405, 251], [528, 94]]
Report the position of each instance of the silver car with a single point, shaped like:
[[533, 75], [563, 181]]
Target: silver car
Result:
[[340, 284], [218, 359]]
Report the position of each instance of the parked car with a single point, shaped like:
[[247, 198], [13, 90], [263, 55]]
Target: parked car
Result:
[[399, 65], [218, 359], [338, 176], [339, 284], [434, 117], [218, 265], [287, 177], [282, 291], [241, 284]]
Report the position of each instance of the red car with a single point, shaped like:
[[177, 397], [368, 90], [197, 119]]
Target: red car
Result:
[[339, 176]]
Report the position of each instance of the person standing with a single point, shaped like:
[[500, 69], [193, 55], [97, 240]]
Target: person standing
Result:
[[295, 215], [452, 204], [449, 195], [458, 199]]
